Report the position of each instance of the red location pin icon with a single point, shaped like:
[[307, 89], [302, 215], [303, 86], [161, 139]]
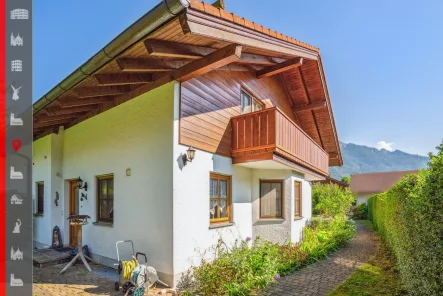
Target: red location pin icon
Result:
[[16, 144]]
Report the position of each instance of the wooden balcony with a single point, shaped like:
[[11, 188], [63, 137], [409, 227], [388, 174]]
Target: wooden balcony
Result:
[[269, 135]]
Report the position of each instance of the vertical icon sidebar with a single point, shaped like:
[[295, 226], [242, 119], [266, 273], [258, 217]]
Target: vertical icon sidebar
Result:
[[18, 166]]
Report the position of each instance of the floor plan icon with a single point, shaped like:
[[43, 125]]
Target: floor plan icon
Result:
[[15, 121], [15, 282], [15, 175]]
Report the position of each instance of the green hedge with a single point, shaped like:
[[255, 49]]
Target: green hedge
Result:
[[409, 217]]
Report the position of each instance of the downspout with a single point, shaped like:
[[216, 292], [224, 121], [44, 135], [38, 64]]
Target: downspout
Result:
[[159, 15]]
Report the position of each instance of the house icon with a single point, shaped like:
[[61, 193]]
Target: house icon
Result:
[[16, 254], [16, 200], [16, 40]]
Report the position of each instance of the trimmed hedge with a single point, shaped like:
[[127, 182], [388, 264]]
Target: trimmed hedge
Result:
[[409, 217]]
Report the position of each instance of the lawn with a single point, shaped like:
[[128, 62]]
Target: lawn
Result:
[[377, 277]]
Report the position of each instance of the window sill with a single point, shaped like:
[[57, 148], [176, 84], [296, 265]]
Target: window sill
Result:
[[298, 218], [38, 215], [220, 225], [106, 224], [271, 220]]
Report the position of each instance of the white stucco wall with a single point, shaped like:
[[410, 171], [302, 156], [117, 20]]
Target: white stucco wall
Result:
[[137, 135], [363, 197], [286, 229], [193, 235]]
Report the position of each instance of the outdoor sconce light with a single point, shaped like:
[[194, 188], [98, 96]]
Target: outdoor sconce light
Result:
[[189, 156], [80, 184]]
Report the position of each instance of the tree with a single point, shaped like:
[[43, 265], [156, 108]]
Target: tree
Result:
[[346, 179]]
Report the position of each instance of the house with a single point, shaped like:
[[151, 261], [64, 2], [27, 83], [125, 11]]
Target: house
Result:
[[365, 185], [192, 125]]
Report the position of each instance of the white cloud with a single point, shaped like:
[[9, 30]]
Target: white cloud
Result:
[[384, 145]]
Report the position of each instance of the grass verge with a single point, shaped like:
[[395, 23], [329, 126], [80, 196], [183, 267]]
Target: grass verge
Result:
[[377, 277]]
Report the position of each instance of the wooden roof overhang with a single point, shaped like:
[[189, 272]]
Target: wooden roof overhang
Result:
[[196, 42]]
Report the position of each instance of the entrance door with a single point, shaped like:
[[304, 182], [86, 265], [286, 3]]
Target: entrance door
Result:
[[74, 204]]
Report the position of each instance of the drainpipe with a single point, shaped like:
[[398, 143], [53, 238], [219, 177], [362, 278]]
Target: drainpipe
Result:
[[159, 15]]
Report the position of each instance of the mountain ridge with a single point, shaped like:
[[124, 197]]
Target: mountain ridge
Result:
[[363, 159]]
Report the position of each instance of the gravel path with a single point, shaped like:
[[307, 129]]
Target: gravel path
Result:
[[323, 277]]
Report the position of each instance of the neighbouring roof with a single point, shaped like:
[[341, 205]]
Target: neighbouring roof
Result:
[[376, 182]]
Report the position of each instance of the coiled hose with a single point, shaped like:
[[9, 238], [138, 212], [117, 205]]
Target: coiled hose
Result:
[[128, 267]]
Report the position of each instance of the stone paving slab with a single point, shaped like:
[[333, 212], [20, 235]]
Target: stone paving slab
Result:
[[76, 280], [46, 257], [320, 278]]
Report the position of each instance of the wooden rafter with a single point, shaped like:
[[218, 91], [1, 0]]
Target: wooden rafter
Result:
[[75, 102], [148, 65], [168, 49], [155, 65], [47, 118], [311, 106], [217, 59], [279, 68], [304, 87], [51, 123], [88, 92], [61, 111], [123, 78]]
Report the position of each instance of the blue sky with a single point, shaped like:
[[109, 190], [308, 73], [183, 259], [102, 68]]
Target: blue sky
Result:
[[383, 59]]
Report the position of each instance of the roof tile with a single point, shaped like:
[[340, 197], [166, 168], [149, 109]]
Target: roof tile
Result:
[[249, 24], [257, 27], [221, 13], [211, 9], [226, 15], [238, 19], [196, 4]]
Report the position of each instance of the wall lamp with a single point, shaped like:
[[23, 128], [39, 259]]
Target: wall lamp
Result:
[[189, 156], [81, 185]]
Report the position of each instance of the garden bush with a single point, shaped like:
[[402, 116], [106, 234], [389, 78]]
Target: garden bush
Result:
[[250, 265], [331, 200], [360, 211], [409, 218]]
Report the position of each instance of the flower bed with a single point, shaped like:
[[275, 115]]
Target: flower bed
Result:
[[251, 265]]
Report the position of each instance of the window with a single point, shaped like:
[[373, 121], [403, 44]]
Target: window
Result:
[[249, 103], [297, 200], [40, 197], [219, 198], [271, 199], [105, 198]]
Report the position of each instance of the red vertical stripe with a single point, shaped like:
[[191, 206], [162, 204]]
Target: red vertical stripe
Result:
[[2, 147]]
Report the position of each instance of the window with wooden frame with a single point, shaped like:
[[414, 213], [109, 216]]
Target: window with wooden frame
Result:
[[219, 198], [40, 198], [297, 200], [249, 103], [271, 198], [105, 198]]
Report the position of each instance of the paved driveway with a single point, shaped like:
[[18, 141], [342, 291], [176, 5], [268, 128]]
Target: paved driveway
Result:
[[77, 281], [323, 277]]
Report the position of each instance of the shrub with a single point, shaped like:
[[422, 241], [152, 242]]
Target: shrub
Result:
[[346, 179], [360, 211], [248, 266], [331, 200], [409, 217]]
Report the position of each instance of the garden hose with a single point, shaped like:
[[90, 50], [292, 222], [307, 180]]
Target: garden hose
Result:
[[128, 267]]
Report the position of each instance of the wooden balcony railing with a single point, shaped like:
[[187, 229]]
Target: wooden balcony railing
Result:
[[257, 135]]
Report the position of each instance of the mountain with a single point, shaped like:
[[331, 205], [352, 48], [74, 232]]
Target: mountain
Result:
[[362, 159]]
